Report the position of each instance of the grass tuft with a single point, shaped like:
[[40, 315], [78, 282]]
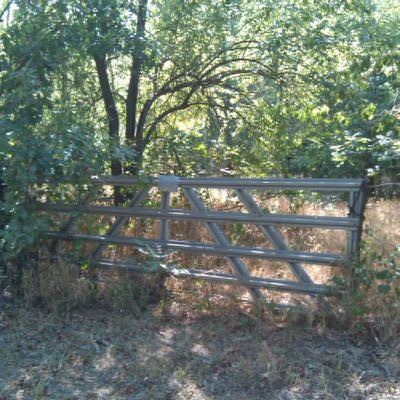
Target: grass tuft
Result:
[[64, 283]]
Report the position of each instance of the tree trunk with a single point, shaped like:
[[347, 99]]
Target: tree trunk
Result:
[[112, 116], [132, 134]]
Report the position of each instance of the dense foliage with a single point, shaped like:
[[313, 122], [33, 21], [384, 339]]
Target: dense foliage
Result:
[[289, 87]]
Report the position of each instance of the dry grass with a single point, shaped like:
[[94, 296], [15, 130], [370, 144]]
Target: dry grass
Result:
[[382, 223], [65, 283], [115, 335], [56, 283], [188, 350], [382, 235]]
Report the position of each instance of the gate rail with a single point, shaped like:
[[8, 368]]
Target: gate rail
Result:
[[352, 223]]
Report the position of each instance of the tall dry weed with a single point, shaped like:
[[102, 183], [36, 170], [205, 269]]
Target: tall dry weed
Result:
[[56, 282], [382, 225], [375, 301], [61, 280]]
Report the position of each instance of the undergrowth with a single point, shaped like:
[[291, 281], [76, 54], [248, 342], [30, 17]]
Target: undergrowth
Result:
[[65, 281]]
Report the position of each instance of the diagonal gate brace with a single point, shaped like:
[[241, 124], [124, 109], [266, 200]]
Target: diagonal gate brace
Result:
[[69, 224], [121, 221], [220, 238], [273, 235]]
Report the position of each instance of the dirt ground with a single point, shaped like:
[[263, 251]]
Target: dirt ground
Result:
[[190, 352]]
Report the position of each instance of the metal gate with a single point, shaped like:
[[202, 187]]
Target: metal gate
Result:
[[247, 192]]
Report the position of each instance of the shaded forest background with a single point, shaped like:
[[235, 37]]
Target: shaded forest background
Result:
[[292, 88]]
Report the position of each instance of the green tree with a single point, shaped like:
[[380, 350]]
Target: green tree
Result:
[[283, 87], [91, 84], [338, 112]]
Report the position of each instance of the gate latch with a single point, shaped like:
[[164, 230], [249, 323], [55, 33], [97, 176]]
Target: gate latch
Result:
[[168, 183]]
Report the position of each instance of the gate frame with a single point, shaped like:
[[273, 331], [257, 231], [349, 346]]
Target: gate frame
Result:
[[256, 216]]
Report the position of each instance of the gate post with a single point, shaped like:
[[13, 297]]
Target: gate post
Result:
[[166, 184], [357, 204]]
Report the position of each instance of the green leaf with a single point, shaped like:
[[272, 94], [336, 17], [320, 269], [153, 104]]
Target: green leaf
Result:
[[384, 274], [384, 289]]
